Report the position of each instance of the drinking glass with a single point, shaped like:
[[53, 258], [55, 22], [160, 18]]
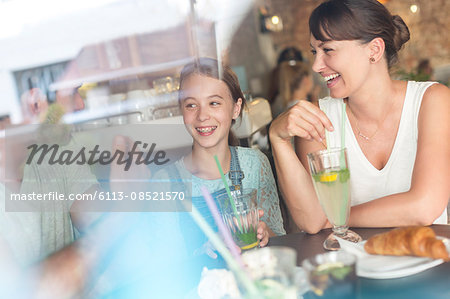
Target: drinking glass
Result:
[[331, 179], [273, 270], [332, 275], [242, 222]]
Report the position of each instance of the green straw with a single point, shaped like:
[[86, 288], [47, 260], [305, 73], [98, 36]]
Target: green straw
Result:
[[222, 249], [228, 192], [345, 194], [342, 158], [343, 126]]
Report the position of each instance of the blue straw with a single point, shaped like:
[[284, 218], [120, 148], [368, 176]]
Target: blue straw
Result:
[[226, 235]]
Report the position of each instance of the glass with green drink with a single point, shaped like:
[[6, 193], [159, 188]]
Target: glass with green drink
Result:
[[241, 217], [331, 179]]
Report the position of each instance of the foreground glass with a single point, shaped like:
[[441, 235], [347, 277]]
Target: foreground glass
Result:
[[331, 179], [332, 274], [242, 222], [273, 270]]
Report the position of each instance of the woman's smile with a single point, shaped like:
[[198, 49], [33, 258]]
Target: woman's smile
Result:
[[332, 79]]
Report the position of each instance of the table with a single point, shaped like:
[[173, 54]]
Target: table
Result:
[[432, 283]]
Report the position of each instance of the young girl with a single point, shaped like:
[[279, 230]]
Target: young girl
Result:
[[211, 100], [396, 132]]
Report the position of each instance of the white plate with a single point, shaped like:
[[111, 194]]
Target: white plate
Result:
[[402, 272], [386, 267]]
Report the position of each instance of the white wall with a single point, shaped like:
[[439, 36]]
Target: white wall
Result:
[[8, 100]]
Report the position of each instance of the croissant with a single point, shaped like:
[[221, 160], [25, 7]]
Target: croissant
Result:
[[415, 241]]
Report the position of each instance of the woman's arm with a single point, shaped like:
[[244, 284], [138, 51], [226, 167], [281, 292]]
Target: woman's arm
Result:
[[308, 122], [430, 187]]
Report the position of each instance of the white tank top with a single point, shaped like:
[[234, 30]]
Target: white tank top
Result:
[[367, 182]]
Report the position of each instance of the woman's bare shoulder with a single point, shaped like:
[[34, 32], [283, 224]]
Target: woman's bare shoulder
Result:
[[437, 91], [435, 108], [436, 99]]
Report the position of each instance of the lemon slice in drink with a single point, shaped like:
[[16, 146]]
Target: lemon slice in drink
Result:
[[329, 266], [328, 177]]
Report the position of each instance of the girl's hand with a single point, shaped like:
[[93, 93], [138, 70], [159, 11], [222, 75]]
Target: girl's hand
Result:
[[304, 120], [262, 234]]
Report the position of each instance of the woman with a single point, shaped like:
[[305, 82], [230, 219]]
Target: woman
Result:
[[211, 101], [397, 155]]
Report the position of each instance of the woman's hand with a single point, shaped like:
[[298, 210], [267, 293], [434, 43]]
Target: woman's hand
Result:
[[304, 120]]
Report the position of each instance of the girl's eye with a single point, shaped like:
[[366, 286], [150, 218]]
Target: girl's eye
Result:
[[326, 50], [190, 105], [314, 52], [214, 103]]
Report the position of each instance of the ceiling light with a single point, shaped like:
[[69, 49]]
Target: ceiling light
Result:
[[275, 20]]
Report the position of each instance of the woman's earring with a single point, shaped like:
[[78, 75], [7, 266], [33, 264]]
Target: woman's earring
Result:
[[372, 59]]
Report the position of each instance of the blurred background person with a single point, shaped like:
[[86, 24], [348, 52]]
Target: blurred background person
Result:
[[425, 70], [291, 55], [295, 83], [49, 227], [72, 99], [34, 106]]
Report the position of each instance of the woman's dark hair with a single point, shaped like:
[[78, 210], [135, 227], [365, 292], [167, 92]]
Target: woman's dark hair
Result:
[[289, 54], [359, 20], [210, 67]]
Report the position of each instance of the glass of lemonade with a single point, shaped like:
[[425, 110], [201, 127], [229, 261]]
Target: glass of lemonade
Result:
[[242, 222], [331, 179]]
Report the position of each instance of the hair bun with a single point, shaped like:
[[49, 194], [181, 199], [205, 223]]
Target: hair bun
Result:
[[401, 32]]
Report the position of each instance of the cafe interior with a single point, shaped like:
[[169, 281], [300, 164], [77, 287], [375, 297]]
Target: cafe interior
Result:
[[82, 81]]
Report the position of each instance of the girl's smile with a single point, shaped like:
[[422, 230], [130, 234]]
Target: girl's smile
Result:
[[206, 131]]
